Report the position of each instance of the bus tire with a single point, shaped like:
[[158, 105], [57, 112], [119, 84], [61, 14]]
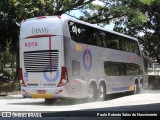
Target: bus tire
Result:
[[92, 93], [102, 92], [50, 101]]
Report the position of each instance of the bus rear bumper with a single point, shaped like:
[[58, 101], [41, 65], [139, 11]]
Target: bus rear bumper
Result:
[[58, 92]]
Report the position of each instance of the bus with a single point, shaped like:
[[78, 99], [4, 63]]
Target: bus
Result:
[[61, 57]]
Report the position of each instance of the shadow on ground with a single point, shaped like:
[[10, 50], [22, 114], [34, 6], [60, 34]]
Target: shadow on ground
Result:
[[61, 102]]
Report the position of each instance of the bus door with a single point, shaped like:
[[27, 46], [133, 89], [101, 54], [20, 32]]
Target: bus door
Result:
[[75, 81]]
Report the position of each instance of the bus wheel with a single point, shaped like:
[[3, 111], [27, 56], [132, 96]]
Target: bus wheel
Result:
[[50, 101], [92, 93], [102, 92]]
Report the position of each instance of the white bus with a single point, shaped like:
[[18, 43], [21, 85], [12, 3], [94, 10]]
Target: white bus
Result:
[[66, 58]]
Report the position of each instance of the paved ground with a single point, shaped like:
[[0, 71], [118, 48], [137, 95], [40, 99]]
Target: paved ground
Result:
[[18, 103], [149, 100]]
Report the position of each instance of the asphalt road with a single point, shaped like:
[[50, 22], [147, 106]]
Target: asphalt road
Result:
[[148, 100]]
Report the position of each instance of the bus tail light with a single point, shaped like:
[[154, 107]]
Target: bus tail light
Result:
[[21, 78], [64, 77], [41, 17], [59, 17]]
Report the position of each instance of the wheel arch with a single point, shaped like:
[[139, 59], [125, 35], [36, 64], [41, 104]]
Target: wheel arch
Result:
[[141, 80], [136, 81], [93, 82], [102, 81]]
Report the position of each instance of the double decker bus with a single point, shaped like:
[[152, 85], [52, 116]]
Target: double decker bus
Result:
[[61, 57]]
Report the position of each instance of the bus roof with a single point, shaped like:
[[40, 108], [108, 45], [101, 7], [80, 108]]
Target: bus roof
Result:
[[67, 18]]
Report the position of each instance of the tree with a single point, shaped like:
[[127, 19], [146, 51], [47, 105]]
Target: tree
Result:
[[140, 16]]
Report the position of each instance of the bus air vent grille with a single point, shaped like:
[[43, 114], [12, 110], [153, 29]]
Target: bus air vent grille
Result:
[[41, 61]]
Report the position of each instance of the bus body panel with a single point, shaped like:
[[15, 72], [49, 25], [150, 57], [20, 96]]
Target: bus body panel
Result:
[[114, 84], [41, 26], [42, 57], [85, 63]]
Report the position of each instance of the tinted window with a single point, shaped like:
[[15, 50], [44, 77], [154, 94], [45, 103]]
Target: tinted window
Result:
[[132, 46], [133, 69], [111, 69], [121, 69], [113, 41], [89, 35]]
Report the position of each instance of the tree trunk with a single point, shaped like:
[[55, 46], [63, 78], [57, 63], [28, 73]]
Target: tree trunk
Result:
[[17, 66]]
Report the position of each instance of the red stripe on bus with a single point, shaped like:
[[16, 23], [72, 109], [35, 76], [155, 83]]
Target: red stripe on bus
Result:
[[41, 17], [38, 36], [50, 47], [59, 17], [87, 51]]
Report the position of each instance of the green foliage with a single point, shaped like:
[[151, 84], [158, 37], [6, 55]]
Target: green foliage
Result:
[[97, 14], [147, 2], [134, 16], [4, 73], [7, 87]]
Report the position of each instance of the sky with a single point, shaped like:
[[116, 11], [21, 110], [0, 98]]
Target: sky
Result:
[[78, 13]]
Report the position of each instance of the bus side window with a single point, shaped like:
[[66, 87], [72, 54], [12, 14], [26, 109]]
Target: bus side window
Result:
[[127, 43], [75, 68], [122, 44], [133, 69], [122, 69], [111, 68]]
